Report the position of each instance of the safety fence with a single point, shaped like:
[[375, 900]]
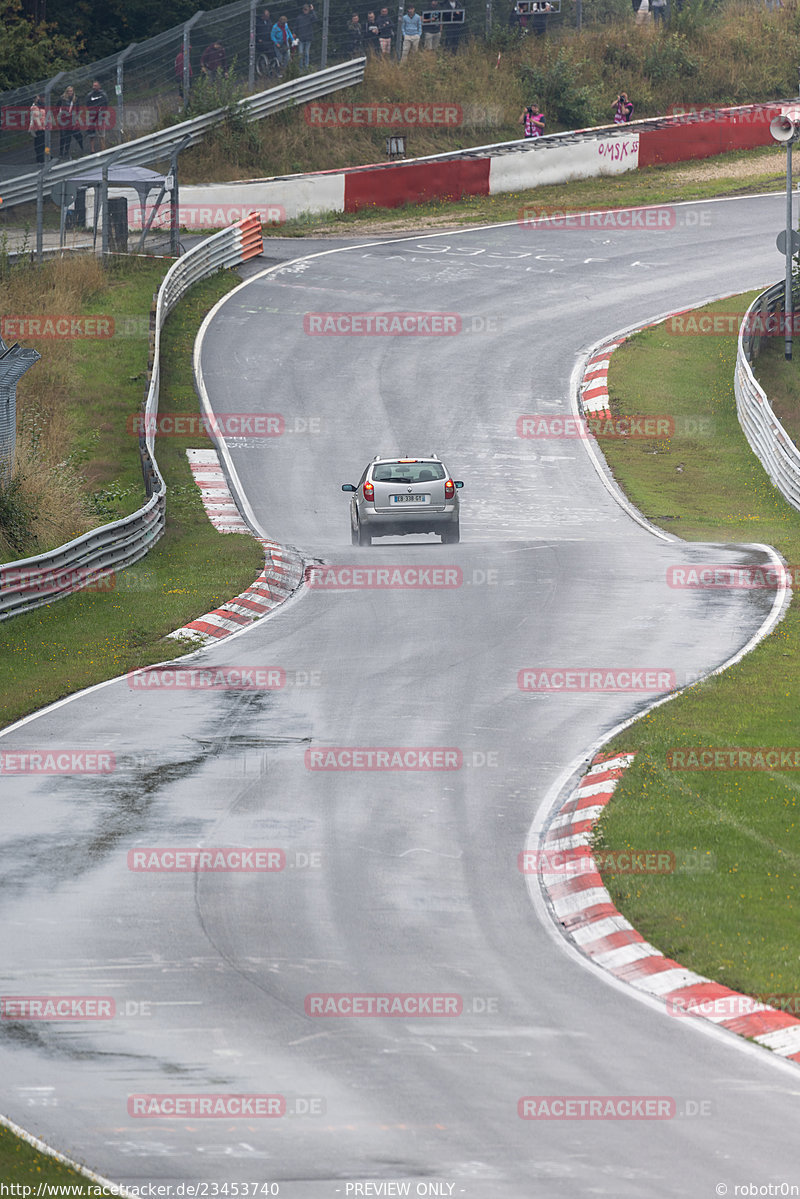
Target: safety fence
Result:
[[31, 582], [160, 145], [766, 436]]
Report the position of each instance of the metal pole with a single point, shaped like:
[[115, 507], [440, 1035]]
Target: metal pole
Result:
[[488, 18], [119, 90], [400, 30], [326, 12], [251, 61], [40, 213], [187, 66], [47, 96], [104, 211], [578, 14], [787, 303]]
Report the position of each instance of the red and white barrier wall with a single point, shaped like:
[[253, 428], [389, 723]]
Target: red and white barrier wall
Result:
[[486, 170]]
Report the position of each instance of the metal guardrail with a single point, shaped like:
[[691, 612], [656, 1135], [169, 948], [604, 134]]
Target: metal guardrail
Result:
[[156, 146], [85, 562], [765, 434]]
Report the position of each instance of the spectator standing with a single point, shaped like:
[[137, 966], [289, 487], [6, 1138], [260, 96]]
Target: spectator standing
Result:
[[518, 21], [658, 9], [355, 36], [453, 28], [412, 31], [304, 32], [385, 31], [68, 123], [263, 30], [539, 17], [213, 59], [533, 120], [97, 111], [179, 70], [37, 126], [623, 110], [371, 35], [282, 39], [432, 26]]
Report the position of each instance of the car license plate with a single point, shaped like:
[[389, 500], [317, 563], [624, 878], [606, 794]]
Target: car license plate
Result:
[[410, 499]]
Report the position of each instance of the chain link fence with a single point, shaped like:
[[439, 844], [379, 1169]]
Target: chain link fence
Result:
[[148, 83]]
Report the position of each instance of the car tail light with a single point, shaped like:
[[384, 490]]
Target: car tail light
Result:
[[369, 492], [449, 489]]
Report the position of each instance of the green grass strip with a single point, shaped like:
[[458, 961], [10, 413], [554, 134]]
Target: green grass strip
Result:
[[96, 635], [731, 908], [25, 1166]]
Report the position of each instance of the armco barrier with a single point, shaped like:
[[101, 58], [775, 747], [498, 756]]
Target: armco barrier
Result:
[[158, 146], [32, 582], [767, 437]]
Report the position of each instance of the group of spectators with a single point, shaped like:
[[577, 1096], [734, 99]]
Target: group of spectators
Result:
[[533, 120], [72, 120], [534, 21]]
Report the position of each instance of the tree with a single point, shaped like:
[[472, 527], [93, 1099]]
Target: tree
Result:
[[30, 50]]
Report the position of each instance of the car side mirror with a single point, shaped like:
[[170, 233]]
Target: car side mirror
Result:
[[459, 483], [348, 487]]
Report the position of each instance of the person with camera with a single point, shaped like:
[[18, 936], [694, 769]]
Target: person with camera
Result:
[[533, 120], [623, 110]]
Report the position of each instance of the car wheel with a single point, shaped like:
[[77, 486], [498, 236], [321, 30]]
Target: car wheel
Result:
[[451, 535], [364, 537]]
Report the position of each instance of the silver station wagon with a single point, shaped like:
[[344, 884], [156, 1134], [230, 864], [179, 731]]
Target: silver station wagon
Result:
[[396, 496]]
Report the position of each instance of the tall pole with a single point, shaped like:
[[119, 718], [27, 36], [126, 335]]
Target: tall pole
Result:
[[326, 13], [251, 57], [787, 299]]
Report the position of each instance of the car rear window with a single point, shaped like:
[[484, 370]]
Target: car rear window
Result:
[[408, 472]]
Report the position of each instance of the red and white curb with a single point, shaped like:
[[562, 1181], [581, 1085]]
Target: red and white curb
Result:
[[594, 387], [584, 908], [281, 576]]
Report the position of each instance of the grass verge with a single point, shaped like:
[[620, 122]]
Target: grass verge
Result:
[[23, 1166], [730, 911], [92, 636]]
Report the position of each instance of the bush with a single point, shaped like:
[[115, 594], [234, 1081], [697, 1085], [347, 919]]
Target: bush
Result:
[[561, 92]]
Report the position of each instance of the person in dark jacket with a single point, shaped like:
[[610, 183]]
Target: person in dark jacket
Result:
[[214, 59], [97, 117], [304, 32], [453, 29], [355, 36], [385, 31], [67, 119], [372, 40]]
